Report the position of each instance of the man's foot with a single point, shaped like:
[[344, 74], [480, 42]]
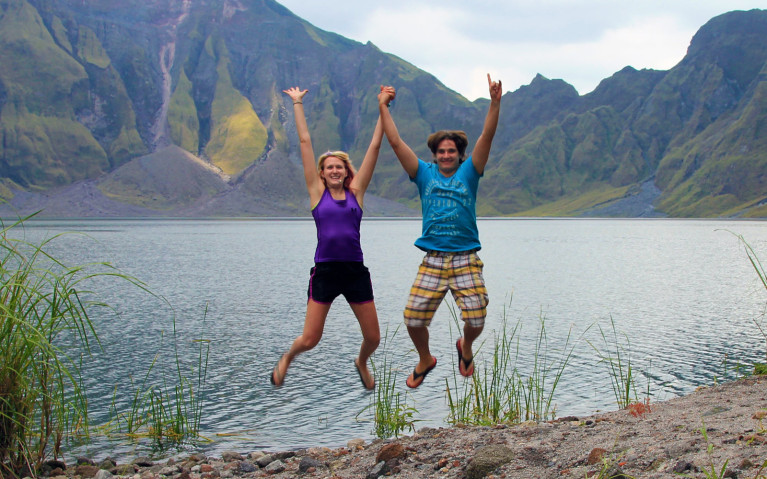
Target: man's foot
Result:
[[368, 384], [415, 379], [465, 366], [277, 378]]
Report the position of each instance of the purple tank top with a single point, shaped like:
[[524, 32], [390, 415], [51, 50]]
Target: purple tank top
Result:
[[338, 228]]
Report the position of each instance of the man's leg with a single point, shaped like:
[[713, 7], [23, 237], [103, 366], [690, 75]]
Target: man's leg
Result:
[[468, 287], [427, 292], [420, 337], [470, 333]]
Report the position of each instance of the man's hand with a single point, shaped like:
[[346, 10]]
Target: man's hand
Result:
[[386, 96], [496, 90]]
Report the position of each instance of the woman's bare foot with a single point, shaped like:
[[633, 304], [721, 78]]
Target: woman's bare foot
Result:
[[278, 375], [368, 381]]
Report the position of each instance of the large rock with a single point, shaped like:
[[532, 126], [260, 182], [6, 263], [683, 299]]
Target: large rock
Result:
[[487, 459]]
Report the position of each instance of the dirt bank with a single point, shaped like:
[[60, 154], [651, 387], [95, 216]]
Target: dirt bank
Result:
[[663, 440]]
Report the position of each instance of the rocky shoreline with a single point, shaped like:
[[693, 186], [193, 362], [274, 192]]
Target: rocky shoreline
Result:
[[717, 428]]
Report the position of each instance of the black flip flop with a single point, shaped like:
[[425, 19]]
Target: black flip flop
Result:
[[467, 363], [421, 376]]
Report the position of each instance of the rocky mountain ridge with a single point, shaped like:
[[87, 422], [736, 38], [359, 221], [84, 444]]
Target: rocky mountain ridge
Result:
[[175, 108]]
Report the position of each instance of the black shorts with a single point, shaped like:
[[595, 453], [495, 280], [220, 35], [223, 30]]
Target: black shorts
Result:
[[349, 278]]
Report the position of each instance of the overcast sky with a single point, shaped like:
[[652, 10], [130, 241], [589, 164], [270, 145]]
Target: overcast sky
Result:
[[579, 41]]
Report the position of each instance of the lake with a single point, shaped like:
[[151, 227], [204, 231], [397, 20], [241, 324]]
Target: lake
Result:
[[681, 293]]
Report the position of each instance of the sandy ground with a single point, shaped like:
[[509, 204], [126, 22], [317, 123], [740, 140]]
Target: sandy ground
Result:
[[641, 442], [662, 440]]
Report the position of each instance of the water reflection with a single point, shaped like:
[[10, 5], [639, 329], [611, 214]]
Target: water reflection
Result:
[[682, 293]]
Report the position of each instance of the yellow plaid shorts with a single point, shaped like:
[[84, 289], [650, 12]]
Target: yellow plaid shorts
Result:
[[461, 273]]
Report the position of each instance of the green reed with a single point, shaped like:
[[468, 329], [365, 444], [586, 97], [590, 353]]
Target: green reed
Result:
[[170, 410], [759, 368], [539, 392], [498, 392], [610, 466], [609, 470], [761, 274], [391, 412], [618, 362], [710, 470], [45, 332], [492, 395], [43, 303]]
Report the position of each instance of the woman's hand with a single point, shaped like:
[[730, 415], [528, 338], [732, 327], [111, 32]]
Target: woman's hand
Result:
[[386, 96], [296, 94]]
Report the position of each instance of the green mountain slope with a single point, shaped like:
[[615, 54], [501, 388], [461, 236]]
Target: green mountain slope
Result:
[[693, 132], [106, 95]]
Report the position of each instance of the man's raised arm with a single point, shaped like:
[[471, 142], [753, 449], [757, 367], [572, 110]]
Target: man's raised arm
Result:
[[407, 158], [482, 149]]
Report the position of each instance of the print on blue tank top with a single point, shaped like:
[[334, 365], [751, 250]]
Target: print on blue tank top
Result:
[[448, 206]]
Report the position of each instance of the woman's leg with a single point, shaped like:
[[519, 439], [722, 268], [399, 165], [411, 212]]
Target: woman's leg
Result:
[[371, 336], [316, 313]]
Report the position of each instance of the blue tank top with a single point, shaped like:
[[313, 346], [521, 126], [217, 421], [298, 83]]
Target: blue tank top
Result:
[[338, 228]]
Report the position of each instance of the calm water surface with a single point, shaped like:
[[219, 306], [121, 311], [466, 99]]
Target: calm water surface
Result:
[[681, 291]]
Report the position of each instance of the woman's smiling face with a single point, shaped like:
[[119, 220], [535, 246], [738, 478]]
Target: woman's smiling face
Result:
[[334, 172]]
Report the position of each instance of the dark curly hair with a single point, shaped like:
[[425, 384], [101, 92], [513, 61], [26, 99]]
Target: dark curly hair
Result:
[[459, 137]]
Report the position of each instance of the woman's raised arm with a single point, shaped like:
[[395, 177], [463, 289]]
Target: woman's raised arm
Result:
[[314, 184]]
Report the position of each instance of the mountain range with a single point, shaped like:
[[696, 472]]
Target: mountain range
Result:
[[133, 108]]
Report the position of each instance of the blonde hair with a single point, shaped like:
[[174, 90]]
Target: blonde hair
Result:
[[344, 157]]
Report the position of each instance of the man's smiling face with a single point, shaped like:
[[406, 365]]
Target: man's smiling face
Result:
[[447, 157]]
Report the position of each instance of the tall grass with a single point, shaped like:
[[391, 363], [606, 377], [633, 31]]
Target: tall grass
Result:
[[165, 410], [498, 391], [761, 274], [618, 362], [391, 412], [710, 470], [43, 303], [45, 332], [492, 395], [539, 393]]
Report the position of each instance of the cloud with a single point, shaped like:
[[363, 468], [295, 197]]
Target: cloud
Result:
[[658, 43], [580, 42]]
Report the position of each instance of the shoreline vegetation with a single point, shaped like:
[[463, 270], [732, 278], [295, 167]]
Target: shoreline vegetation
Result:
[[45, 335], [501, 419], [719, 428]]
